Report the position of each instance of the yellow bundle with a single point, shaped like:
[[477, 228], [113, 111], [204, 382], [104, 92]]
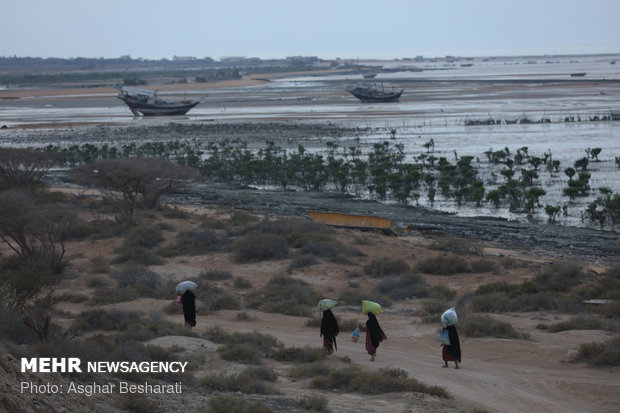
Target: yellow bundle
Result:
[[371, 307]]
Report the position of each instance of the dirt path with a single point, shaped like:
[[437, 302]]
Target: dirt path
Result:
[[496, 374]]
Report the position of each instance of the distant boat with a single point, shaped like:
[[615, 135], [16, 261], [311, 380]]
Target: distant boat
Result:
[[369, 75], [578, 74], [613, 62], [147, 103], [467, 64], [372, 94]]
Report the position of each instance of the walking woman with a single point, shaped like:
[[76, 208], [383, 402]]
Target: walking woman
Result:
[[374, 335], [452, 351], [329, 331], [189, 308]]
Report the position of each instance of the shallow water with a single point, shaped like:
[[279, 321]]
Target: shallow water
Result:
[[436, 105]]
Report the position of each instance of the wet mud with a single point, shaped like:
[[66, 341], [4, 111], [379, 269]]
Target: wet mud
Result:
[[545, 240]]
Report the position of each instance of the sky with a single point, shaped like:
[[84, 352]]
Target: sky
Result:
[[155, 29]]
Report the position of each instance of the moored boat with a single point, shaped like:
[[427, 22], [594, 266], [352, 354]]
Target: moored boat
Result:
[[146, 103], [372, 94]]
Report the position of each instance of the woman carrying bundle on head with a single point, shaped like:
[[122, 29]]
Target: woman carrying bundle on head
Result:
[[451, 348], [329, 325], [374, 333], [329, 331]]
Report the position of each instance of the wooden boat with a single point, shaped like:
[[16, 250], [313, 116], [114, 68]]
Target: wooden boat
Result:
[[372, 94], [363, 222], [147, 103]]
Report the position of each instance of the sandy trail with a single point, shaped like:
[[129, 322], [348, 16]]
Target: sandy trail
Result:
[[496, 374]]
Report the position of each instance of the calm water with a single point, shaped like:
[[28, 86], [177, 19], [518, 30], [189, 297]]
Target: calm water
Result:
[[437, 103]]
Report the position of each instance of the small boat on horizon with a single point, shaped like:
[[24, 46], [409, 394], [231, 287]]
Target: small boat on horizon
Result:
[[373, 94], [578, 74], [147, 103]]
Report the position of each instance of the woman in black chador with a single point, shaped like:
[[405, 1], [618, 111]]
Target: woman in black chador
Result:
[[329, 331], [452, 352], [189, 308]]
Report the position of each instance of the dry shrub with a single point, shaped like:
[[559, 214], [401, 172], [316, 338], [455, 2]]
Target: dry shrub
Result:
[[313, 403], [299, 355], [579, 323], [309, 370], [262, 342], [486, 326], [284, 295], [253, 380], [457, 246], [386, 266], [230, 404], [606, 353], [353, 379], [443, 265], [137, 403], [195, 243], [259, 246], [214, 275]]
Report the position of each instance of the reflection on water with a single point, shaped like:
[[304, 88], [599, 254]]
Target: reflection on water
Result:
[[437, 104]]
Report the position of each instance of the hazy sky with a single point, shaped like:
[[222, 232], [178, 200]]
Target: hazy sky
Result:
[[324, 28]]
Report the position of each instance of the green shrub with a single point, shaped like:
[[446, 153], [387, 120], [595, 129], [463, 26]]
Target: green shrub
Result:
[[443, 265], [600, 354], [386, 266]]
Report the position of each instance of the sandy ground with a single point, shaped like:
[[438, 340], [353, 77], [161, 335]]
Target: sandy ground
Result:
[[497, 375]]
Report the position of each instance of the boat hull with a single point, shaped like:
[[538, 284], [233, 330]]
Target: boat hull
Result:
[[385, 98], [150, 109]]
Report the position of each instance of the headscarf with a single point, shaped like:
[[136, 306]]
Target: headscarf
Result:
[[376, 335]]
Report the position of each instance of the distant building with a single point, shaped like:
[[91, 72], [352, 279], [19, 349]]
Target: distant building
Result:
[[183, 58], [302, 60]]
